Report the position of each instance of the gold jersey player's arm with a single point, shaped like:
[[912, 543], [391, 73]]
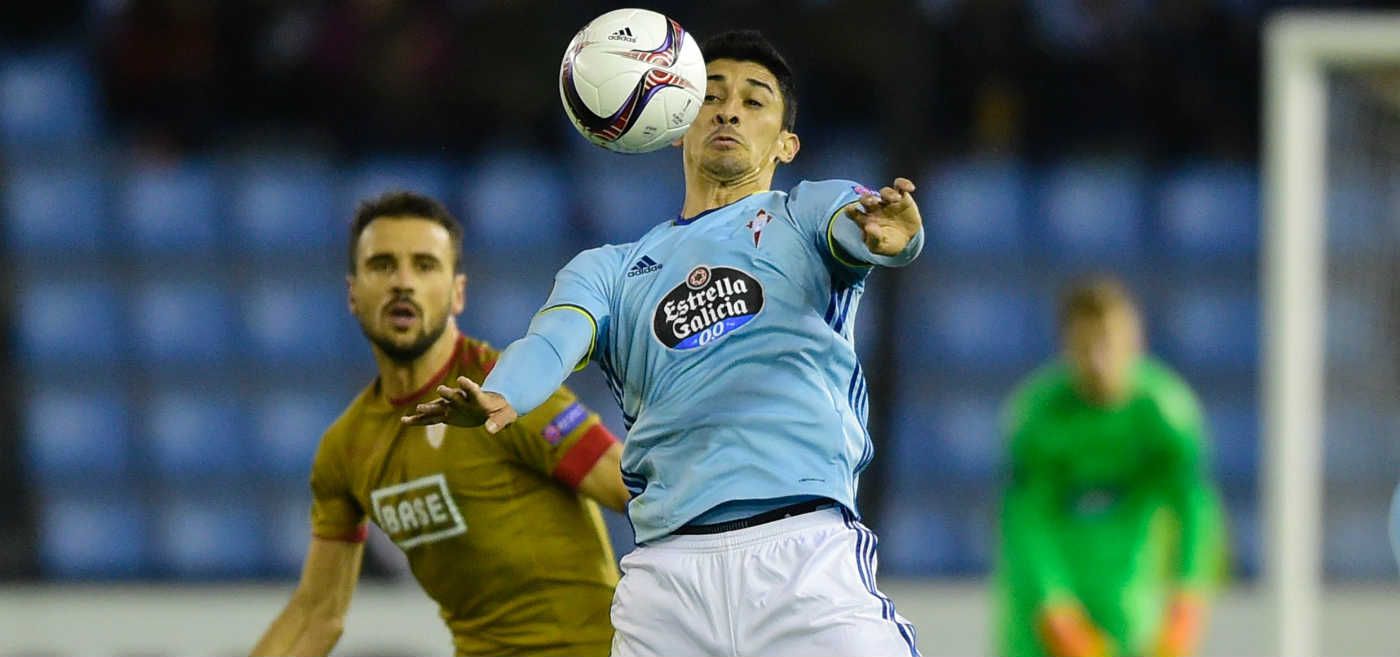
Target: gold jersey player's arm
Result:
[[313, 620]]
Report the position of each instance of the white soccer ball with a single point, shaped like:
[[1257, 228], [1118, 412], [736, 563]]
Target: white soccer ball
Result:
[[632, 80]]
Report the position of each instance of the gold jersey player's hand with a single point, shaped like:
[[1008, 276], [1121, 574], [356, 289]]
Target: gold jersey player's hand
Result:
[[467, 406]]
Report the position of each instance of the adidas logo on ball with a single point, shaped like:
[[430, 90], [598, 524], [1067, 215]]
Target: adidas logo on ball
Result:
[[624, 34]]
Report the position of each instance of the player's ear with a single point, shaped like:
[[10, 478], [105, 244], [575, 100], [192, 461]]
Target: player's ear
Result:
[[459, 293], [788, 145]]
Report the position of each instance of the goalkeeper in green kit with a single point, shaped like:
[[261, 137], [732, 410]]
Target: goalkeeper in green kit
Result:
[[1111, 532]]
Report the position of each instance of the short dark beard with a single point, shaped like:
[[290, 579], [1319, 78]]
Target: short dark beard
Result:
[[408, 354]]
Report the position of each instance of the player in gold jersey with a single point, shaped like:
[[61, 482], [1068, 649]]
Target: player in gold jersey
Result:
[[498, 529]]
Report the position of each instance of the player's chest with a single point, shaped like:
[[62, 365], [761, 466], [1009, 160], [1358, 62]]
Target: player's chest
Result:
[[428, 483], [706, 281]]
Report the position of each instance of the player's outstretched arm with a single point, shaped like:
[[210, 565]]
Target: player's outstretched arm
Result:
[[313, 620], [888, 222]]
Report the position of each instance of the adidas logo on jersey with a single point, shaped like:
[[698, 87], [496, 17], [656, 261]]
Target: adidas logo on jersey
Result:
[[643, 266], [624, 34]]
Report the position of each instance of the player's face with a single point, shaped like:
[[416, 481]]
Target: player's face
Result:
[[739, 131], [1102, 352], [404, 289]]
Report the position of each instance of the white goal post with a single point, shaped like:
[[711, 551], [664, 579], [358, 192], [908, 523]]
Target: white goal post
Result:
[[1300, 49]]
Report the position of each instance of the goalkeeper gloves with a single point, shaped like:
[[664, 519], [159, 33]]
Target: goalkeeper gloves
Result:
[[1182, 629], [1067, 631]]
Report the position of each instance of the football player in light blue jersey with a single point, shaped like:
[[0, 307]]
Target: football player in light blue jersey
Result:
[[726, 335]]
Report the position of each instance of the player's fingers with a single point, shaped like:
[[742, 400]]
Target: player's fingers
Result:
[[432, 406], [890, 195], [904, 185]]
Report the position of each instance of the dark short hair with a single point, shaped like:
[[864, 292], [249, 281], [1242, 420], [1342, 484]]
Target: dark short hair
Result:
[[1094, 297], [751, 46], [401, 203]]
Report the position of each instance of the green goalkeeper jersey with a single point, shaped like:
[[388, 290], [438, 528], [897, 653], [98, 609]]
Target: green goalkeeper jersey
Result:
[[1110, 506]]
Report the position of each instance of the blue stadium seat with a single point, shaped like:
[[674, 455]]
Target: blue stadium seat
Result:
[[940, 437], [978, 207], [845, 155], [918, 538], [624, 196], [287, 427], [65, 323], [55, 208], [182, 323], [47, 99], [1092, 210], [1211, 328], [374, 177], [286, 511], [87, 533], [1210, 210], [1356, 544], [77, 436], [1244, 533], [294, 321], [981, 325], [504, 297], [286, 207], [171, 209], [1234, 438], [515, 200], [205, 535], [192, 435]]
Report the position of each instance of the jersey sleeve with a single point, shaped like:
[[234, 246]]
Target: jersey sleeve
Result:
[[817, 209], [335, 514], [1031, 510], [1190, 492], [561, 438], [585, 286]]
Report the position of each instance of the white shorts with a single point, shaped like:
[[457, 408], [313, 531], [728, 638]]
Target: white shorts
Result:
[[803, 585]]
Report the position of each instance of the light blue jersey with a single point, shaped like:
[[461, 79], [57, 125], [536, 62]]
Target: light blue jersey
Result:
[[728, 341]]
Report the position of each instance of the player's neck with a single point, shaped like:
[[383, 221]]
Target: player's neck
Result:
[[704, 193], [398, 380]]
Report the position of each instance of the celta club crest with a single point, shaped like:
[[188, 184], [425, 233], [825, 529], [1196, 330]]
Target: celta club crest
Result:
[[756, 225]]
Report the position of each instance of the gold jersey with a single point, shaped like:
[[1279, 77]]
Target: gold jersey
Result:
[[492, 526]]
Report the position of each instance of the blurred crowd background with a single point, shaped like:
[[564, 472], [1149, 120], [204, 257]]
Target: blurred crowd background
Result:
[[176, 177]]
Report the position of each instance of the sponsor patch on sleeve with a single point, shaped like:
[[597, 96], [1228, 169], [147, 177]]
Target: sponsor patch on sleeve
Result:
[[862, 190], [564, 423]]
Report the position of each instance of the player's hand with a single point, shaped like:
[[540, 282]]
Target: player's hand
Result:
[[465, 406], [889, 218], [1067, 631], [1182, 629]]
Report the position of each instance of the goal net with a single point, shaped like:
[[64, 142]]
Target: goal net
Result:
[[1331, 286]]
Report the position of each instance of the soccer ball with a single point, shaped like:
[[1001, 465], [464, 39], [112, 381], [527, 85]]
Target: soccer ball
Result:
[[632, 80]]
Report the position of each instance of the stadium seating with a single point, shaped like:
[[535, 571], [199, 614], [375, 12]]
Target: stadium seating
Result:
[[55, 207], [287, 207], [64, 323], [195, 436], [1092, 211], [209, 533], [503, 297], [1355, 544], [975, 208], [1234, 437], [171, 209], [943, 437], [287, 427], [1358, 444], [1210, 327], [183, 323], [377, 176], [77, 435], [290, 321], [971, 325], [918, 537], [1210, 211], [515, 200], [86, 533], [47, 99], [614, 205], [286, 515]]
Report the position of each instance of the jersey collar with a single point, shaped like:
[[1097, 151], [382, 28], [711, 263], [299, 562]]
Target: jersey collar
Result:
[[686, 221]]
